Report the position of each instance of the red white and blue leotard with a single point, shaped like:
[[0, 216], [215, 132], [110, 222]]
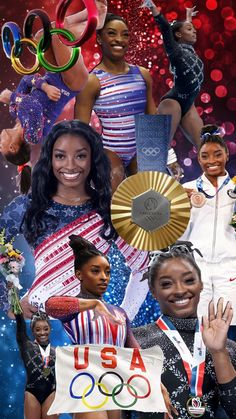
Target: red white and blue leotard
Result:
[[121, 97]]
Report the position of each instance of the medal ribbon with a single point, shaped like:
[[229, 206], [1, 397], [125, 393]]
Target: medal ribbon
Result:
[[45, 355], [199, 183], [194, 365]]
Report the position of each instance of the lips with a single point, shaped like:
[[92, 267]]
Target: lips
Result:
[[70, 176]]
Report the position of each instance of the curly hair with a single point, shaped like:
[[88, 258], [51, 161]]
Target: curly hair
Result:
[[44, 183]]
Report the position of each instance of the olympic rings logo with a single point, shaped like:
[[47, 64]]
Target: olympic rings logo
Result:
[[151, 151], [103, 389], [38, 49]]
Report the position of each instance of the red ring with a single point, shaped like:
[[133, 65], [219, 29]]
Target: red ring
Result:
[[91, 22], [148, 383]]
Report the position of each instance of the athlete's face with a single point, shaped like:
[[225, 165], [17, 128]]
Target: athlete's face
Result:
[[71, 162], [177, 288], [41, 332], [114, 39], [94, 275], [187, 33], [11, 139], [212, 159]]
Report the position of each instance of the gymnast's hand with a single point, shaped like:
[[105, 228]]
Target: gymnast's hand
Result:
[[102, 11], [216, 326], [101, 310], [52, 92], [190, 12], [168, 403]]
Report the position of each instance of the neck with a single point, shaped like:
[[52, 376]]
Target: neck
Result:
[[70, 195], [214, 179], [87, 294], [117, 67]]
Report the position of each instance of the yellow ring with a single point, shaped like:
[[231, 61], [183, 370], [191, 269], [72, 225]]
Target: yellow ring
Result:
[[16, 64], [98, 406]]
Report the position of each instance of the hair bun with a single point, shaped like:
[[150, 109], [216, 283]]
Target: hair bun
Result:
[[209, 130], [79, 244]]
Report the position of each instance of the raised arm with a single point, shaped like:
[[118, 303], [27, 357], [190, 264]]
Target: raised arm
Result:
[[190, 12], [21, 334], [85, 100]]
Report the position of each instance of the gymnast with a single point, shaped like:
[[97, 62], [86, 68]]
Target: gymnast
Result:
[[187, 68], [39, 100]]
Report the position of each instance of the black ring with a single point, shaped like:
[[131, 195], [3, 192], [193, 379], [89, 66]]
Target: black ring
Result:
[[232, 193], [28, 26], [110, 394]]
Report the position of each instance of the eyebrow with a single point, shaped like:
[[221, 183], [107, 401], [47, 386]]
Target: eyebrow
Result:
[[170, 277], [79, 149]]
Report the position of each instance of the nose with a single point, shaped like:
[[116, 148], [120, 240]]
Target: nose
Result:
[[70, 163], [180, 288]]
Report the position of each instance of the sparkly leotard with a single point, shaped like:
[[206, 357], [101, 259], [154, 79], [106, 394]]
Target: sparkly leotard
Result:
[[121, 97], [174, 376], [186, 67], [36, 112], [38, 384]]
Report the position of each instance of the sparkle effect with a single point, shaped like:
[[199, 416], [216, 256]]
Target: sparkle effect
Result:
[[216, 24]]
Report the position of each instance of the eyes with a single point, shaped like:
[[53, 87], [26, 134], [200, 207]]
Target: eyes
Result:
[[216, 155], [114, 33], [165, 284], [62, 156], [97, 271]]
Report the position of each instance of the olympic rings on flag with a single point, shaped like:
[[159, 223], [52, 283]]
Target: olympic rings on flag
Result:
[[91, 21], [7, 29], [74, 53], [113, 393], [75, 378], [145, 379], [127, 405], [16, 64], [117, 375], [98, 406], [28, 27]]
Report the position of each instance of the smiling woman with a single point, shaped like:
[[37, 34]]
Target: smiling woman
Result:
[[116, 91], [199, 366], [211, 213]]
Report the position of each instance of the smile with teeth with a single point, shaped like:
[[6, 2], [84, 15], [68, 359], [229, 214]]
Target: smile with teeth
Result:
[[182, 301], [70, 176], [118, 47]]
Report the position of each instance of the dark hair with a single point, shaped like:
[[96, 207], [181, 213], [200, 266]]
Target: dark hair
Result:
[[44, 183], [21, 157], [176, 26], [109, 18], [212, 134], [39, 316], [83, 250], [179, 250], [24, 179]]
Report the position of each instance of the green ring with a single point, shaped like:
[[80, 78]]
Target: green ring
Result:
[[74, 55], [128, 405]]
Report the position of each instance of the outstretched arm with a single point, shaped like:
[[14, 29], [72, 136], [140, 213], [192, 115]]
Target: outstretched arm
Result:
[[214, 334], [62, 307]]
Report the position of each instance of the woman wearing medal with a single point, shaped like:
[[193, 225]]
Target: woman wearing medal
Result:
[[39, 360], [209, 227], [199, 366]]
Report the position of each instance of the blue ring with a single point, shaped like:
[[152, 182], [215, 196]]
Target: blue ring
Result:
[[75, 378], [7, 29]]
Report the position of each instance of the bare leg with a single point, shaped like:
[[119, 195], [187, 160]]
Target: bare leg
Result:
[[32, 407], [117, 169], [46, 405], [191, 125], [91, 415], [114, 414], [171, 107]]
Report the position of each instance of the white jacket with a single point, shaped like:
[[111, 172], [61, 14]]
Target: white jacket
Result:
[[209, 228]]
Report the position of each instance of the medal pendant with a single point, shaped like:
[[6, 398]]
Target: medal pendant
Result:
[[197, 199], [46, 371], [195, 407]]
